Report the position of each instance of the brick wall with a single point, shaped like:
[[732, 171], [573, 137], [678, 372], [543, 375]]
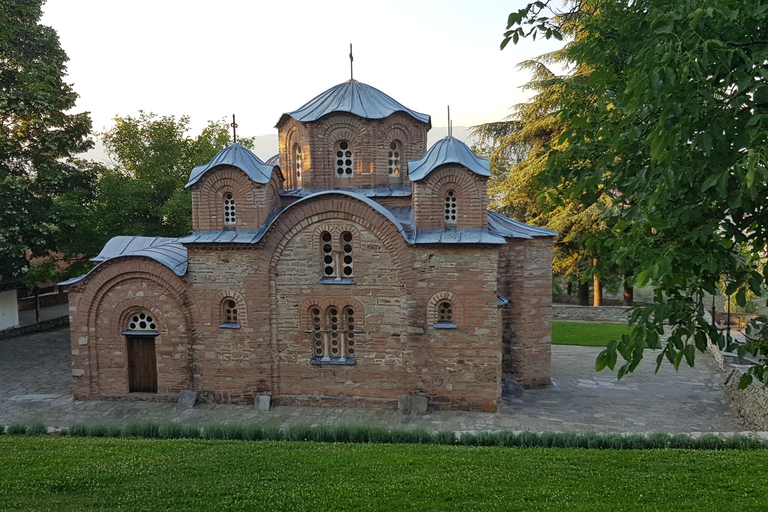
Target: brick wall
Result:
[[525, 278], [472, 198]]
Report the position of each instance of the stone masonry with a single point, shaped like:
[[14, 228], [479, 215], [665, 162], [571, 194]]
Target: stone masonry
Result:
[[331, 279]]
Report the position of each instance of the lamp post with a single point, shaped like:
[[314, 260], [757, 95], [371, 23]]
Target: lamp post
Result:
[[728, 282]]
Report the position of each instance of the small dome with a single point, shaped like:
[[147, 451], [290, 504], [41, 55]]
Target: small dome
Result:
[[355, 98], [448, 150], [236, 156]]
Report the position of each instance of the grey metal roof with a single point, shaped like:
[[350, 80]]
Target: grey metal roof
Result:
[[448, 150], [236, 156], [390, 191], [457, 236], [511, 228], [273, 160], [166, 251], [252, 237], [353, 97]]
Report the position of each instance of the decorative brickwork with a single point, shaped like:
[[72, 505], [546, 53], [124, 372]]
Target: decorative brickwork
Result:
[[329, 299]]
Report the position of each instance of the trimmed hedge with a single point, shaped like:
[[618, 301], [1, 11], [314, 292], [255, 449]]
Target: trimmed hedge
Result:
[[381, 435]]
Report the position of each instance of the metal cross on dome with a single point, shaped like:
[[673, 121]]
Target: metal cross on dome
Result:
[[233, 124]]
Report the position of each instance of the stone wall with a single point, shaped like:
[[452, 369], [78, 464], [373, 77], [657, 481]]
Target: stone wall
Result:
[[569, 313], [751, 404]]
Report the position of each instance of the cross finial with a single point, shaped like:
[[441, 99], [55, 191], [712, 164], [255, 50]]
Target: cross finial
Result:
[[351, 76], [450, 131], [233, 124]]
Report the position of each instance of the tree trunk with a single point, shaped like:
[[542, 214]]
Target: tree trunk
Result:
[[570, 288], [583, 294], [629, 292], [597, 288]]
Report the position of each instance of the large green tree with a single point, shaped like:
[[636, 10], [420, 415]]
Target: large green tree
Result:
[[519, 148], [677, 134], [143, 193], [38, 135]]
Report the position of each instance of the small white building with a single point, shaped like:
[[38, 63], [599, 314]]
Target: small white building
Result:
[[9, 304]]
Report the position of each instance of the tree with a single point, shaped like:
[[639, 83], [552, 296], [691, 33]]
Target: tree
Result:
[[519, 148], [143, 193], [37, 137], [677, 133]]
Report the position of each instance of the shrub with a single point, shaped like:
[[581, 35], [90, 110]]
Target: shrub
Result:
[[146, 429], [445, 437], [37, 429], [710, 442], [17, 429]]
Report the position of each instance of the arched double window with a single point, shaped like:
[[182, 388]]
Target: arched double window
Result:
[[344, 159], [333, 335], [451, 208], [230, 217], [337, 257]]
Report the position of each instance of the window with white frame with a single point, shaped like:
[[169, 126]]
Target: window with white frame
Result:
[[333, 335], [445, 317], [230, 217], [345, 159], [450, 208], [141, 322], [393, 159]]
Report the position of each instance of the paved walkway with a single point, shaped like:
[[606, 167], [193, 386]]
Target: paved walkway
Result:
[[35, 386]]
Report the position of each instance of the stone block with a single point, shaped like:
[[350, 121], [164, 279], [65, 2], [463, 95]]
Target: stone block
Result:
[[187, 399], [262, 402], [412, 404], [510, 390]]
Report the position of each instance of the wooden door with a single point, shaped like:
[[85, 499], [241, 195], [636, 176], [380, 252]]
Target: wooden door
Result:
[[142, 364]]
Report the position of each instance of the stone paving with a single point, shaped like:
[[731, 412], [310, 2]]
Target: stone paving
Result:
[[35, 386]]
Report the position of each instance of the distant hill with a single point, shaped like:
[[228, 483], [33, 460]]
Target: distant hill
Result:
[[266, 146]]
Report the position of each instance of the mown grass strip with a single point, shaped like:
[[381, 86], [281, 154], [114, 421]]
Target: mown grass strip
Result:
[[67, 473], [586, 334]]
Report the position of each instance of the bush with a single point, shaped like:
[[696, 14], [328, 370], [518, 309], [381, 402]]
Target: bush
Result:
[[37, 429], [445, 437], [17, 430], [147, 429]]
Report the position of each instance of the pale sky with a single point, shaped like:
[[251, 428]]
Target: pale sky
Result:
[[259, 59]]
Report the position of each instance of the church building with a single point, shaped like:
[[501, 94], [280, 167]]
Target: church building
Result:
[[355, 268]]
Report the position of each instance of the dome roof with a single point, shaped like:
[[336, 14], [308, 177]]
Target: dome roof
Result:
[[448, 150], [236, 156], [355, 98]]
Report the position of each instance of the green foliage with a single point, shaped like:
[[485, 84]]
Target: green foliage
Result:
[[17, 430], [519, 147], [38, 137], [586, 334], [143, 192], [674, 133]]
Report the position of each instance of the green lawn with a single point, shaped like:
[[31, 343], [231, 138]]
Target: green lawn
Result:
[[585, 333], [64, 473]]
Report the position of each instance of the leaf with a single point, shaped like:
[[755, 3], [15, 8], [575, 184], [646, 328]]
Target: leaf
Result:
[[745, 381]]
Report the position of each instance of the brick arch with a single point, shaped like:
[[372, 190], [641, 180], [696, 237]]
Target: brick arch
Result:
[[216, 306], [319, 210], [125, 309], [434, 302], [210, 207], [292, 137], [323, 303], [471, 198], [111, 273], [332, 207], [336, 230], [398, 132]]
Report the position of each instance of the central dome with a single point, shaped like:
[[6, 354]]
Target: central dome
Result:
[[352, 97]]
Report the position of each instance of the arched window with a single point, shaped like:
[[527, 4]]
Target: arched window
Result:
[[337, 258], [229, 313], [333, 335], [393, 159], [141, 322], [230, 217], [450, 208], [445, 318], [297, 163], [345, 159]]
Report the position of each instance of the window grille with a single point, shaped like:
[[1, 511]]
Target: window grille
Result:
[[450, 207], [229, 210], [337, 257], [345, 159], [333, 335], [393, 159], [297, 163]]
